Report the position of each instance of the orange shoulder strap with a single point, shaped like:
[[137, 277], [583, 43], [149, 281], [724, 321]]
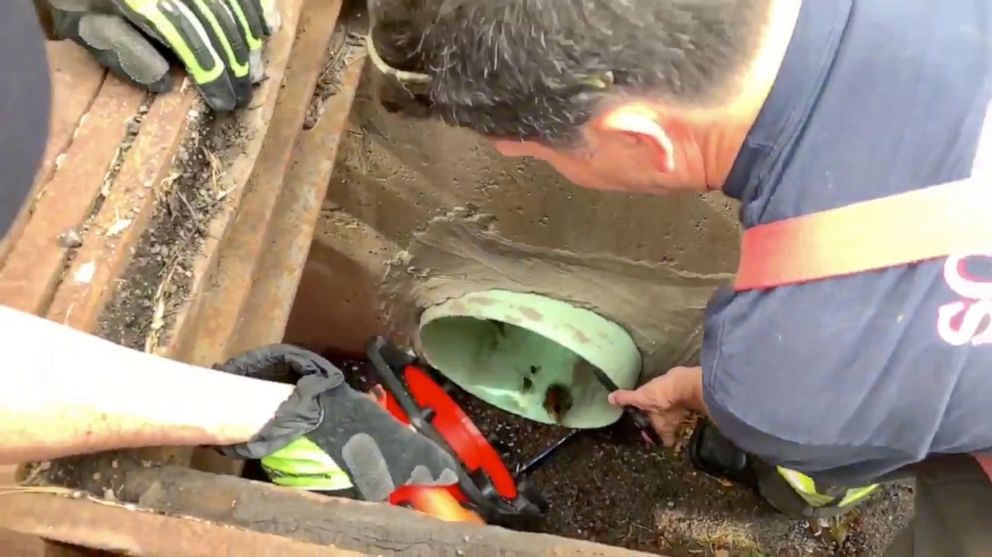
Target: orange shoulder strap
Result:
[[952, 218], [915, 226]]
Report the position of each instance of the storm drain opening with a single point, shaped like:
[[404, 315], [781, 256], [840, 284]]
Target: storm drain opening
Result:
[[530, 355]]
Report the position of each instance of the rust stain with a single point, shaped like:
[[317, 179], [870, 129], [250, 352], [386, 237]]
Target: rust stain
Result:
[[76, 80], [557, 401], [580, 336], [291, 233], [237, 236], [531, 314], [218, 504], [459, 307], [484, 301], [136, 187], [34, 264]]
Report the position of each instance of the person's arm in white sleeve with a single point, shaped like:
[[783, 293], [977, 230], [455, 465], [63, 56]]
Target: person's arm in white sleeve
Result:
[[63, 392]]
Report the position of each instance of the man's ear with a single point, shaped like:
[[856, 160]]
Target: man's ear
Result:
[[642, 123]]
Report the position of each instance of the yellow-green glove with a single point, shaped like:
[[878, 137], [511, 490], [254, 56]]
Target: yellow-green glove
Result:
[[218, 41], [329, 437]]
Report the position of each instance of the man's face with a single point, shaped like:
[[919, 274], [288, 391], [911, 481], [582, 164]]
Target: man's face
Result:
[[615, 161], [583, 168]]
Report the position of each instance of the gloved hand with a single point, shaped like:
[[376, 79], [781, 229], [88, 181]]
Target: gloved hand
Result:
[[328, 437], [219, 41]]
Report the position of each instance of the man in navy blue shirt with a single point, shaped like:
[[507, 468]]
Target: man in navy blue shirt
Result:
[[791, 108]]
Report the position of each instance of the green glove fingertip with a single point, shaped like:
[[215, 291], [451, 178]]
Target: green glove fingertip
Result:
[[177, 27], [303, 465]]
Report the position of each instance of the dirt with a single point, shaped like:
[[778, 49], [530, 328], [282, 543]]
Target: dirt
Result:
[[133, 128], [610, 487], [341, 51], [157, 279]]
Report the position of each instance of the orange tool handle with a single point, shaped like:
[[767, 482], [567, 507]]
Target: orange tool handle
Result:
[[437, 502]]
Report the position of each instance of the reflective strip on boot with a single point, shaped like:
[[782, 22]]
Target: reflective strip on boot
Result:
[[856, 495], [805, 487]]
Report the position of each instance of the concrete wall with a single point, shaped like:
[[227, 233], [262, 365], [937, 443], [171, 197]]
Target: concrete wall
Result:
[[418, 212]]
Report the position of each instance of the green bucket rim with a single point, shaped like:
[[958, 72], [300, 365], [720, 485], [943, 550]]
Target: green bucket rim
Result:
[[561, 335]]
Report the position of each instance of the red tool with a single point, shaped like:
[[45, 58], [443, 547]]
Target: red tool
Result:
[[486, 488]]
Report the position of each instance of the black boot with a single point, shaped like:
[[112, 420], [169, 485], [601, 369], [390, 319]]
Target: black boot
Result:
[[713, 454]]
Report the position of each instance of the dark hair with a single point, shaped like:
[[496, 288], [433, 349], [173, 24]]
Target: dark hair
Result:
[[538, 69]]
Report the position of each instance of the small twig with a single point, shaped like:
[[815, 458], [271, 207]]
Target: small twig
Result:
[[182, 198], [15, 489], [214, 163], [159, 303]]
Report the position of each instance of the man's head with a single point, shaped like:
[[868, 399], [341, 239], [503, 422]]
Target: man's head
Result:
[[616, 94]]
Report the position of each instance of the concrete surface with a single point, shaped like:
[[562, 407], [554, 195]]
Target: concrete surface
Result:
[[418, 212]]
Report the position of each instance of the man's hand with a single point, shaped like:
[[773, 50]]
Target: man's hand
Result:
[[667, 400], [219, 41], [328, 437]]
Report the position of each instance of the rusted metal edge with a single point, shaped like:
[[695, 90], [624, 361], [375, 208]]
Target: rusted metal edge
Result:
[[88, 283], [125, 530], [35, 262], [367, 528], [205, 334], [76, 80], [266, 313], [236, 178], [105, 253]]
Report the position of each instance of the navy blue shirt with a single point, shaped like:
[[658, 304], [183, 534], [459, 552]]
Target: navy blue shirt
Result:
[[850, 378], [24, 106]]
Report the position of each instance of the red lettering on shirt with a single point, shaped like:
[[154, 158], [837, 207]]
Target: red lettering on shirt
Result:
[[969, 319]]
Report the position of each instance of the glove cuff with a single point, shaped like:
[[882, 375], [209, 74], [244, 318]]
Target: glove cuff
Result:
[[300, 414]]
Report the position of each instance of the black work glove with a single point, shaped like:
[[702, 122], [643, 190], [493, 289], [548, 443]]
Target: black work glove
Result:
[[219, 41], [326, 426]]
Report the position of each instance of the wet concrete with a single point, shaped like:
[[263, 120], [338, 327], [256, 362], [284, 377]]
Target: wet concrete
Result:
[[439, 213]]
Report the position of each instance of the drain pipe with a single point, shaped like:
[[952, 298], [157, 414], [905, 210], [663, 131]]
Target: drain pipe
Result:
[[530, 355]]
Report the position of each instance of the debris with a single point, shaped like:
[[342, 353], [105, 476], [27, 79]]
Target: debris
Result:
[[158, 277], [35, 471], [344, 49], [605, 480], [84, 275], [839, 531], [70, 239], [118, 227], [133, 128]]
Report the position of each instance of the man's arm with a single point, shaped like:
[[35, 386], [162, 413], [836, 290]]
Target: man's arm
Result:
[[63, 392]]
